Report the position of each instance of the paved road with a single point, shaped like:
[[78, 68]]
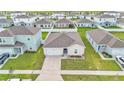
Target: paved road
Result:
[[89, 72], [51, 70]]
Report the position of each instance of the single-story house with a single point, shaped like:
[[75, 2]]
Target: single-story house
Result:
[[57, 16], [6, 23], [17, 13], [85, 23], [103, 41], [24, 20], [18, 39], [64, 44], [3, 17], [113, 13], [43, 23], [43, 16], [105, 20], [64, 23]]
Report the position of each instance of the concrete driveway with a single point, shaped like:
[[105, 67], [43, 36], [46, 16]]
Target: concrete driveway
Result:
[[51, 70]]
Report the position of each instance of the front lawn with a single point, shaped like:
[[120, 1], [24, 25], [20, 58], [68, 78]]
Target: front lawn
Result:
[[44, 35], [92, 78], [4, 77], [119, 35], [26, 61], [92, 59]]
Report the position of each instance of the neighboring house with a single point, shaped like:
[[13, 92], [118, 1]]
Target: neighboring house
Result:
[[3, 17], [103, 41], [6, 23], [105, 20], [43, 23], [113, 13], [64, 44], [64, 23], [85, 23], [120, 21], [17, 13], [43, 16], [18, 39], [72, 16], [24, 20], [57, 16], [83, 16], [122, 15]]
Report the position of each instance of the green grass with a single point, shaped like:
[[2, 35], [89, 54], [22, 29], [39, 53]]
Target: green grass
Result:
[[44, 34], [4, 77], [26, 61], [92, 59], [112, 27], [92, 78], [119, 35]]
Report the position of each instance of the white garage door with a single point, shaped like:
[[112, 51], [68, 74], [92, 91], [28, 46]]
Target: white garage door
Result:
[[53, 51]]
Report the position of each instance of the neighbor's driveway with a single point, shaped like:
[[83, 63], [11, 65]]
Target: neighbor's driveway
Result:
[[51, 69]]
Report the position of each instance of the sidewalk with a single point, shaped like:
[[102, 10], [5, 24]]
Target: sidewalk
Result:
[[20, 71], [89, 72]]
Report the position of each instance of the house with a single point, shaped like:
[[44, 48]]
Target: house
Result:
[[122, 15], [17, 13], [18, 39], [43, 23], [85, 23], [120, 21], [64, 23], [72, 16], [3, 17], [24, 20], [113, 13], [57, 16], [103, 41], [64, 44], [105, 20], [6, 23], [43, 16]]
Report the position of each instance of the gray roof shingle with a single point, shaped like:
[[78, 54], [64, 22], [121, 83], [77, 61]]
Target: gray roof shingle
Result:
[[104, 37], [64, 21], [63, 40], [19, 30]]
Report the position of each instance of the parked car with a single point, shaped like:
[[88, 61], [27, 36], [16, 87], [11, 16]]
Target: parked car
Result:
[[120, 59], [3, 57]]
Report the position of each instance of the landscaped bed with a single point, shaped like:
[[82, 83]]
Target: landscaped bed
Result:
[[119, 35], [92, 59], [26, 61], [92, 78], [4, 77]]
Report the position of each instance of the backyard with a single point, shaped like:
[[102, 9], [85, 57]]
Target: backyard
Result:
[[92, 78], [26, 61], [119, 35], [92, 59]]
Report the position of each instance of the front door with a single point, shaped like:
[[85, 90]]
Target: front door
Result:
[[65, 51]]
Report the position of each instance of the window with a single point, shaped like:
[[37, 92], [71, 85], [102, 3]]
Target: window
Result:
[[28, 38], [75, 51], [0, 40], [34, 25], [30, 48], [4, 41], [41, 25]]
